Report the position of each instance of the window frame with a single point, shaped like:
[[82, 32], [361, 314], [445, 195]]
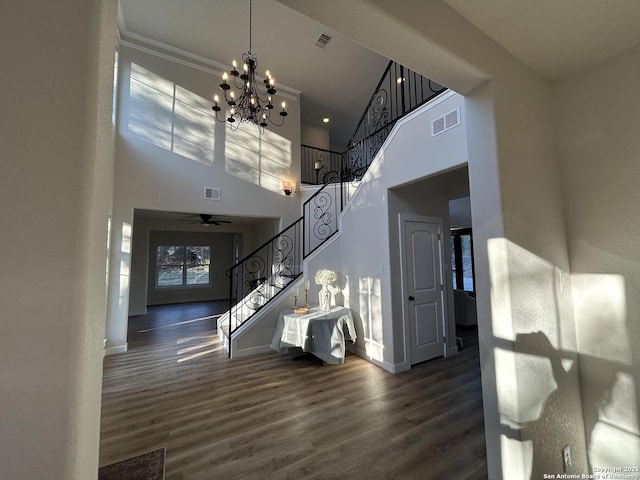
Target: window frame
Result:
[[185, 266], [456, 245]]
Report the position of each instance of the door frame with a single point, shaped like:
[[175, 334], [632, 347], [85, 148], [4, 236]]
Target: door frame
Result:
[[402, 218]]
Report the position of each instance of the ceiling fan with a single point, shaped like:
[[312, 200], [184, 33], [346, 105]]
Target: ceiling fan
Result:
[[206, 219]]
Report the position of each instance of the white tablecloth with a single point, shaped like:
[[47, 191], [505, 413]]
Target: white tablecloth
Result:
[[317, 332]]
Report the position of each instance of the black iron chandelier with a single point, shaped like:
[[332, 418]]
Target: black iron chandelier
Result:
[[250, 105]]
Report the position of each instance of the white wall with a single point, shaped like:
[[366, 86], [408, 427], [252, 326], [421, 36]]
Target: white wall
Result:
[[599, 145], [57, 175], [315, 136], [169, 147], [460, 212], [369, 258]]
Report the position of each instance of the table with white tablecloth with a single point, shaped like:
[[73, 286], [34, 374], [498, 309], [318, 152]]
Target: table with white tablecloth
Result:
[[321, 333]]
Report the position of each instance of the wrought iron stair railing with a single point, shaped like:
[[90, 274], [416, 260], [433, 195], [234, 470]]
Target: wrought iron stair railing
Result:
[[399, 92], [262, 275], [266, 272]]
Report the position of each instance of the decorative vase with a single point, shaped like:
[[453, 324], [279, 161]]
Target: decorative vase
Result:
[[324, 299]]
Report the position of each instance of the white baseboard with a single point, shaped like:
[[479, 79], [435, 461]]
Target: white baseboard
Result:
[[137, 313], [389, 367], [451, 351], [115, 349]]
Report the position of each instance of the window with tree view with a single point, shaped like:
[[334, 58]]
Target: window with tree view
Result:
[[182, 265], [462, 259]]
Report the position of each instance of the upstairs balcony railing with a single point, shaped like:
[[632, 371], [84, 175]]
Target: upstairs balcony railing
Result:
[[318, 166]]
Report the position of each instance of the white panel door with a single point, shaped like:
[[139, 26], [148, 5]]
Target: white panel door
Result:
[[423, 289]]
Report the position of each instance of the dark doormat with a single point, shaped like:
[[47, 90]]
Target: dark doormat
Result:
[[148, 466]]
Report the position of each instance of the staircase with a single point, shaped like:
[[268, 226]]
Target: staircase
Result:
[[267, 271]]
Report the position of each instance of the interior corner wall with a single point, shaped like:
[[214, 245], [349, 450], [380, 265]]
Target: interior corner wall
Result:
[[599, 145], [56, 148], [524, 209], [169, 148], [487, 223]]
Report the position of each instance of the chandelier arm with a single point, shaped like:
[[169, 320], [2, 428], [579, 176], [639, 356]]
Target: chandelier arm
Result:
[[224, 120], [231, 102], [263, 96], [259, 91], [274, 123], [235, 83]]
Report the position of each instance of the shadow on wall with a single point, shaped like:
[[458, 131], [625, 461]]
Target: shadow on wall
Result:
[[371, 317], [263, 160], [179, 121], [563, 367], [124, 267], [367, 312], [608, 389], [169, 116]]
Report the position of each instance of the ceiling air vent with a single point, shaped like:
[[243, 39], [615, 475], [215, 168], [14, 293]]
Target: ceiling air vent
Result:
[[211, 193], [445, 122], [323, 39]]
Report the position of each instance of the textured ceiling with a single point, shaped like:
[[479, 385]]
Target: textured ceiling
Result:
[[557, 38]]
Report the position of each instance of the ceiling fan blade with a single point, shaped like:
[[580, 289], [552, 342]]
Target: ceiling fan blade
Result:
[[203, 219]]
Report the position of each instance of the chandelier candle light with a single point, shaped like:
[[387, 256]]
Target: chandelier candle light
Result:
[[250, 105]]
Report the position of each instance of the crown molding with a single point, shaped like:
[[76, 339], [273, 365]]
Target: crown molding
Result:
[[183, 57]]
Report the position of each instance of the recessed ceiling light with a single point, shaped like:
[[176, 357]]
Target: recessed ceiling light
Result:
[[326, 119]]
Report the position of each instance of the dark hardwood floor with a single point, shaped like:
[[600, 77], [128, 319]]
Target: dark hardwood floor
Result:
[[268, 417]]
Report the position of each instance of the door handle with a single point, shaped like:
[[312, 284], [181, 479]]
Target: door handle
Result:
[[411, 298]]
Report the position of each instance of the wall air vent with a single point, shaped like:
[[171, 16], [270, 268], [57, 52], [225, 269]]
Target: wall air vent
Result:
[[211, 193], [445, 122], [437, 126], [323, 39]]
